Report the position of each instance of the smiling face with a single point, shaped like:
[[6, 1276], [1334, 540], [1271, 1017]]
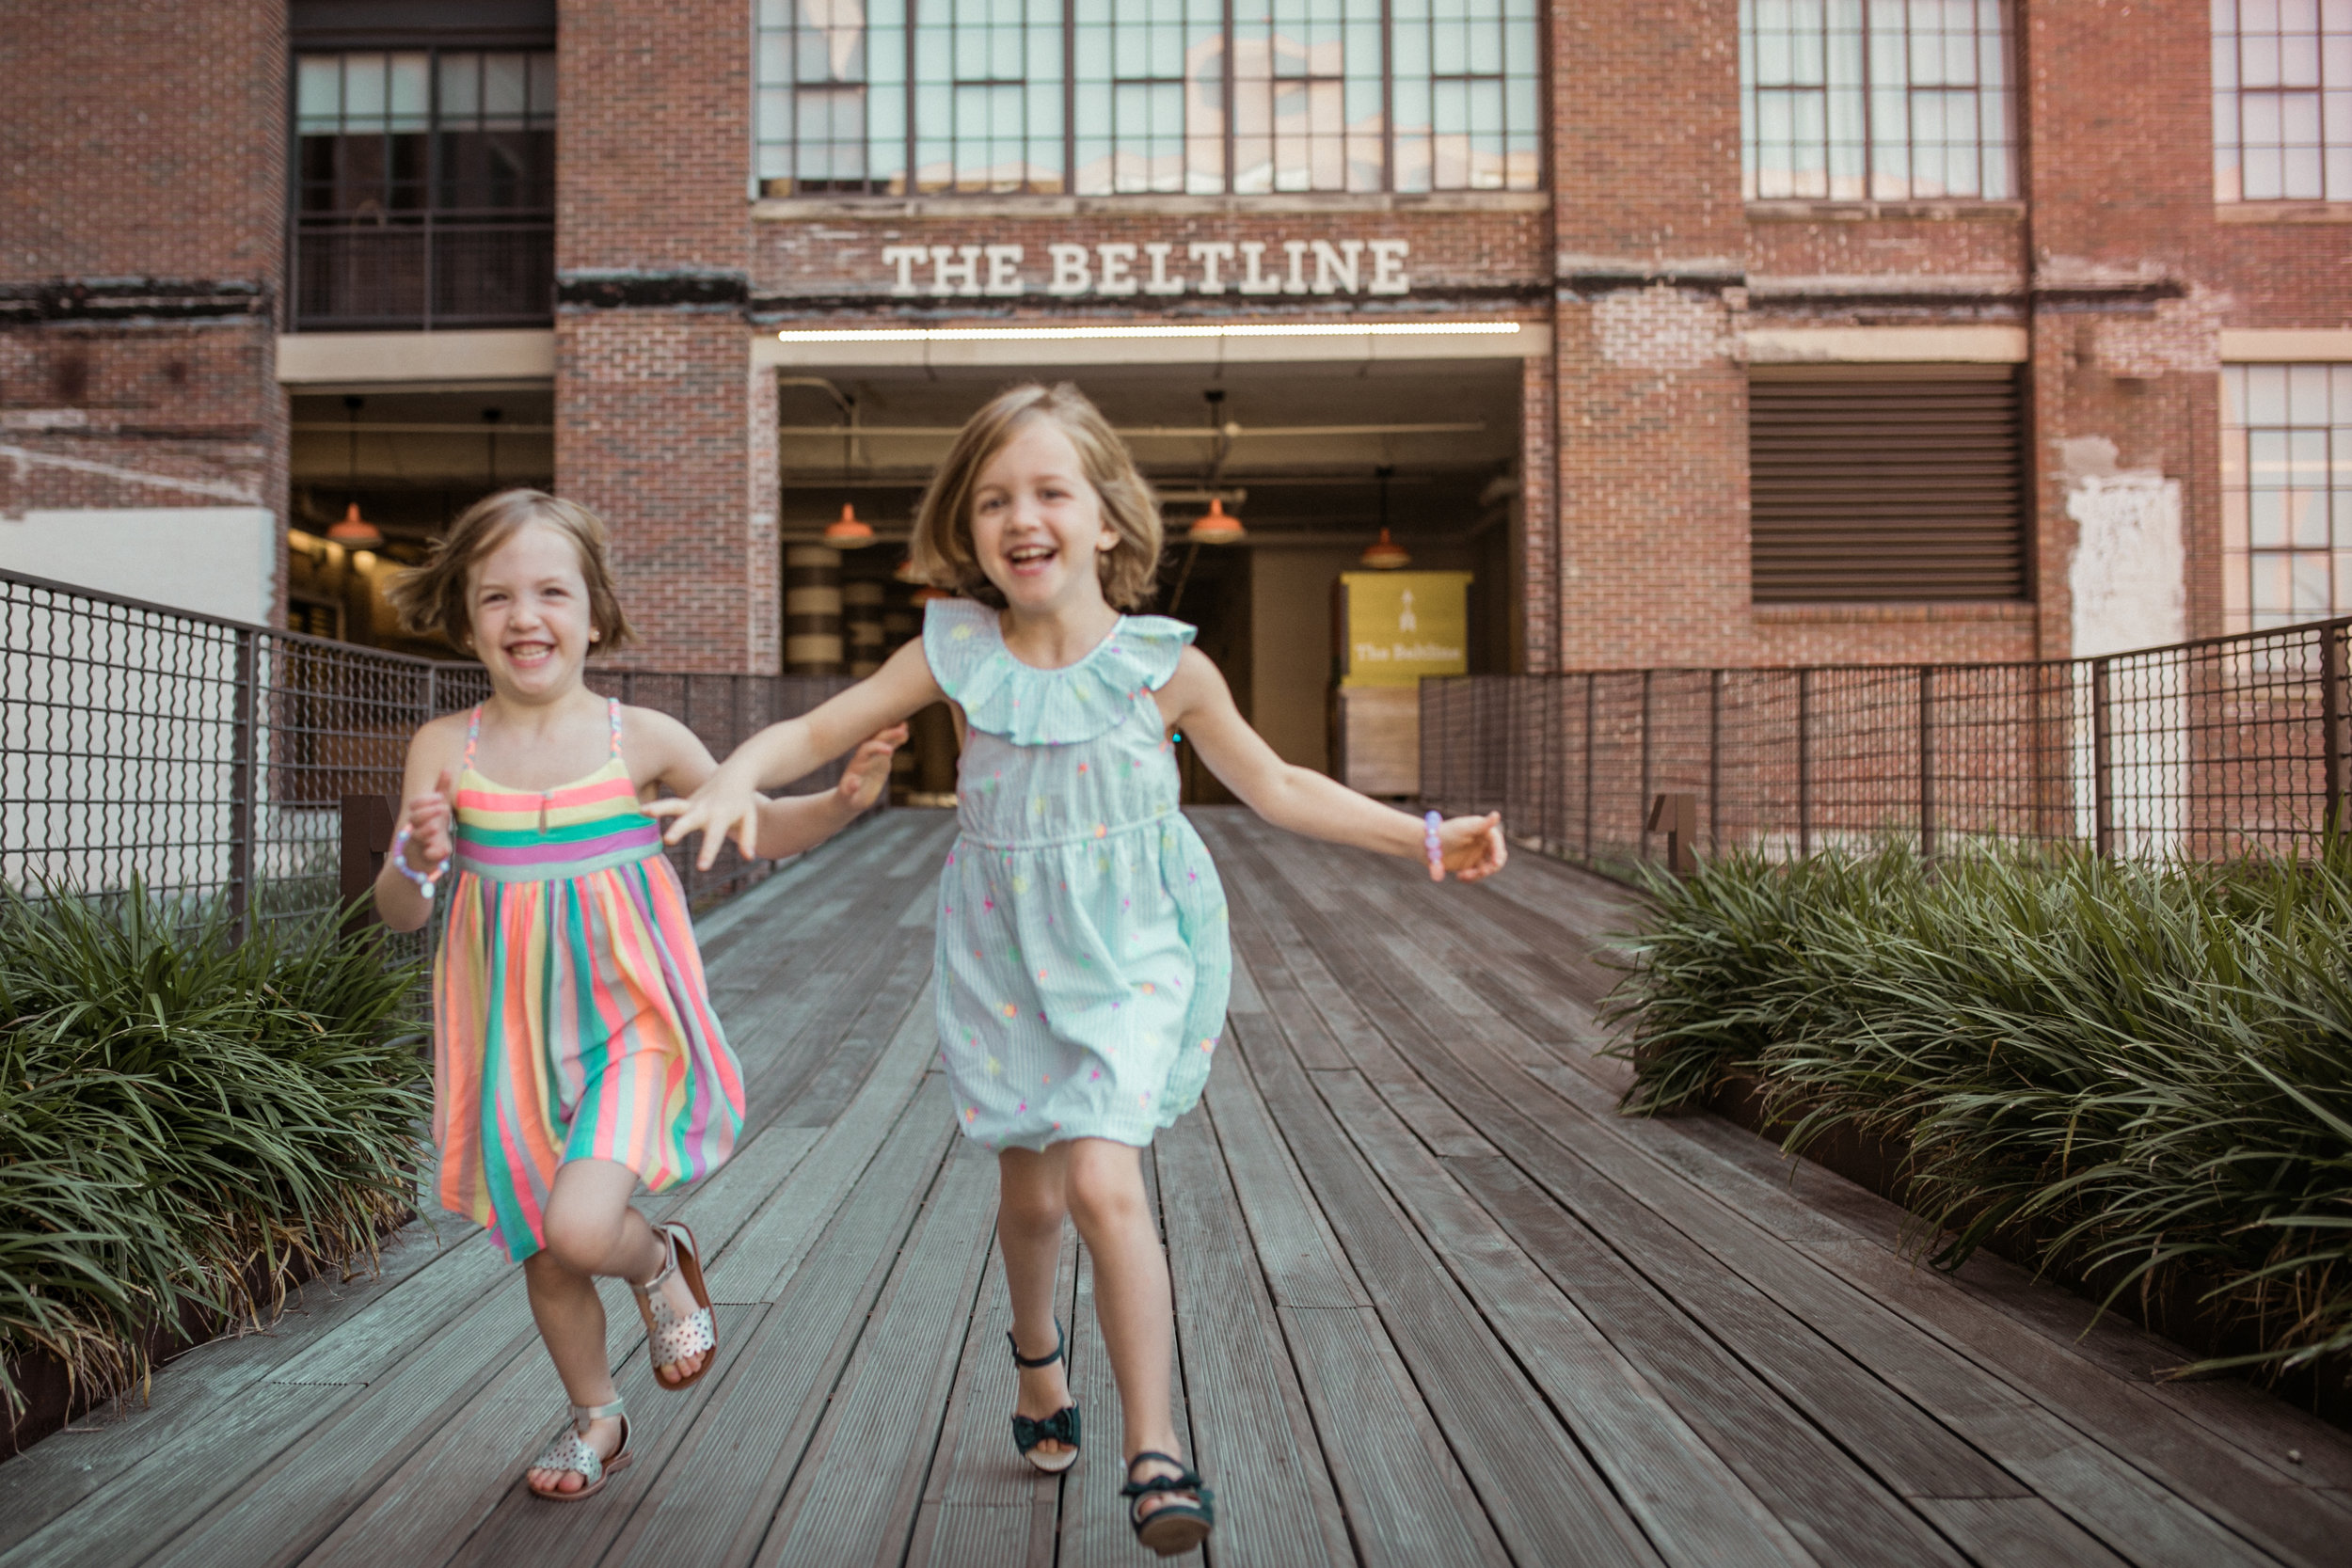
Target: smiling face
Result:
[[1037, 523], [530, 614]]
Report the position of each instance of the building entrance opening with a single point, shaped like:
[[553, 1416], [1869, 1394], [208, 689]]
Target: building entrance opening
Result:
[[1311, 461]]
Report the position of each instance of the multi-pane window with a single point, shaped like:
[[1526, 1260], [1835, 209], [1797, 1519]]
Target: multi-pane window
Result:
[[2286, 494], [2283, 99], [424, 187], [1110, 97], [1875, 100]]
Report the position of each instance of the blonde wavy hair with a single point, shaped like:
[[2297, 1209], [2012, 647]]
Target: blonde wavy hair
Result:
[[437, 596], [944, 552]]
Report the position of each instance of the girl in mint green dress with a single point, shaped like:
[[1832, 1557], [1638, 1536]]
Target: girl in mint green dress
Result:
[[1083, 960]]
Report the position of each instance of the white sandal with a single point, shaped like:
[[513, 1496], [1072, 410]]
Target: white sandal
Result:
[[569, 1451], [670, 1339]]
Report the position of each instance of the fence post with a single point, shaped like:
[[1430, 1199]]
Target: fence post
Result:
[[1927, 761], [2101, 784], [2332, 675], [244, 784], [1677, 816], [1714, 762], [1589, 705], [366, 821], [1805, 763], [1646, 760]]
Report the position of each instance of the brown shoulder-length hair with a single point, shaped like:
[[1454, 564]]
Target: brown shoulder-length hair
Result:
[[437, 596], [944, 553]]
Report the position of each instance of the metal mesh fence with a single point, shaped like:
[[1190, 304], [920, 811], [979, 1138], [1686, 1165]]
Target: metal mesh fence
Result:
[[2207, 750], [208, 760]]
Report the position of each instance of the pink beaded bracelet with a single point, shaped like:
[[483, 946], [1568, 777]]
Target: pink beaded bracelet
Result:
[[1429, 824]]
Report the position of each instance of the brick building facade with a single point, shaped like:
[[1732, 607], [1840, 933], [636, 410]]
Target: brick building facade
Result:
[[1663, 258]]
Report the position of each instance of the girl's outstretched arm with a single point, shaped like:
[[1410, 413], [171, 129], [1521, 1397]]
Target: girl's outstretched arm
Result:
[[1197, 701], [427, 793], [788, 824], [727, 804]]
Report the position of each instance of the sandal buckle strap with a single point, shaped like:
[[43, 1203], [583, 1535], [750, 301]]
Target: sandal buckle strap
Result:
[[1061, 1343]]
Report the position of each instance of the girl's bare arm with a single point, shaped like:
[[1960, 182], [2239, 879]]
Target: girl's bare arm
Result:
[[726, 805], [1197, 701], [788, 824], [428, 796]]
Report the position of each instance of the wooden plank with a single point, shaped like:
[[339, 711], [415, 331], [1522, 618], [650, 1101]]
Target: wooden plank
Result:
[[1303, 1262], [1690, 1504], [1279, 1507], [1544, 1499], [771, 1243], [2025, 1531], [189, 1392], [901, 980], [982, 1507], [1285, 1003], [712, 1502], [855, 1495], [1831, 1503]]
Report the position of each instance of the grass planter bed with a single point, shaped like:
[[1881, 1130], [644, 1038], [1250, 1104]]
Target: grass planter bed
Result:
[[189, 1127], [2136, 1078]]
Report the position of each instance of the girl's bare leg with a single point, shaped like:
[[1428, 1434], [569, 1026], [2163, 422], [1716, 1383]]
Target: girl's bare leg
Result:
[[591, 1229], [1030, 1209], [1132, 1299]]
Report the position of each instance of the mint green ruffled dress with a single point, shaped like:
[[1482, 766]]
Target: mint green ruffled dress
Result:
[[1083, 960]]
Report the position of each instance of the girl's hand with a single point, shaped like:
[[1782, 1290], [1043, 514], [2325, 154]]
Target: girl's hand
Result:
[[725, 807], [867, 772], [428, 818], [1470, 846]]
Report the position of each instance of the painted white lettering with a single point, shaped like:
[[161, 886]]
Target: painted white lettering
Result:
[[1072, 274], [1211, 256], [1161, 283], [956, 269], [1004, 269], [1117, 259], [1296, 249], [1388, 268], [1332, 273], [1253, 280], [903, 257]]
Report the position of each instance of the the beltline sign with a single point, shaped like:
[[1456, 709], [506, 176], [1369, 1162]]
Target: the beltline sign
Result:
[[1117, 269]]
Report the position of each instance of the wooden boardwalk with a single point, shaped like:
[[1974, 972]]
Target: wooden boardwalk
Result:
[[1435, 1303]]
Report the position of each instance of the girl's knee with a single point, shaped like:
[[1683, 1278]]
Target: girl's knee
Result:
[[1105, 1192], [580, 1240]]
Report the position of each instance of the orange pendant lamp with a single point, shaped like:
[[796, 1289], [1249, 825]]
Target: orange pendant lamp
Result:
[[355, 532], [1384, 554], [846, 531], [1215, 526]]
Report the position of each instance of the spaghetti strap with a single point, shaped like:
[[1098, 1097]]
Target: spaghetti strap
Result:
[[474, 733], [613, 709]]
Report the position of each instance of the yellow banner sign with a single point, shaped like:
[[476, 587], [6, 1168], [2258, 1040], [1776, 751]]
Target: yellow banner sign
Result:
[[1402, 626]]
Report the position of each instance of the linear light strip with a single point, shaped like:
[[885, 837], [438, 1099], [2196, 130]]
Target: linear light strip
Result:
[[1079, 334]]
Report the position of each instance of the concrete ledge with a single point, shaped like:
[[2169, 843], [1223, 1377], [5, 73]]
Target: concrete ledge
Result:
[[2286, 345], [1868, 345], [314, 359], [1531, 341]]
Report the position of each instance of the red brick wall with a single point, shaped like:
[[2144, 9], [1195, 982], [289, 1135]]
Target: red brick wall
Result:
[[141, 251]]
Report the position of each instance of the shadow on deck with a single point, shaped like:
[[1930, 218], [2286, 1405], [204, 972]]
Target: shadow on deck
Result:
[[1435, 1303]]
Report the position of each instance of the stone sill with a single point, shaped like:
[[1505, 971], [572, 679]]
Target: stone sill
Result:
[[1913, 614], [2282, 211], [877, 208], [1858, 211]]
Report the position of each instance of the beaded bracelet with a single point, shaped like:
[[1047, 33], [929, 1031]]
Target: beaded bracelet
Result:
[[425, 880], [1429, 823]]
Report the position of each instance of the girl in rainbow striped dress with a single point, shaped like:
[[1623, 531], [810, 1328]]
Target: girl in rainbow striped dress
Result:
[[575, 1053]]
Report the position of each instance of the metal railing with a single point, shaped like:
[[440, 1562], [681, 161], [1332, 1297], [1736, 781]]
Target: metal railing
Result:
[[2206, 750], [426, 270], [210, 761]]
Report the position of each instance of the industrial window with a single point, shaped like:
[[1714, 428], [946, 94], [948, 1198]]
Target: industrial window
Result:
[[1903, 484], [1875, 100], [424, 187], [2283, 99], [2286, 494], [1094, 98]]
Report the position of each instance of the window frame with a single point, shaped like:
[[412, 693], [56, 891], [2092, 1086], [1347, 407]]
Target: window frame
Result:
[[2238, 487], [2006, 141], [906, 184], [2325, 85], [529, 222]]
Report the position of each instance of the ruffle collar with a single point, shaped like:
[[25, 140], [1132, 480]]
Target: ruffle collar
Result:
[[1029, 706]]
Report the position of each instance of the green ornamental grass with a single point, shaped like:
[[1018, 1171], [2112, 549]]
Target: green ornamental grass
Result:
[[2140, 1073], [184, 1118]]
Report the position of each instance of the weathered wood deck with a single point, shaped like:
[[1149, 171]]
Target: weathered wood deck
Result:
[[1435, 1303]]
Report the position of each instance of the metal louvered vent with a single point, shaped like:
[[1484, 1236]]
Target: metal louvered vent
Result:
[[1906, 483]]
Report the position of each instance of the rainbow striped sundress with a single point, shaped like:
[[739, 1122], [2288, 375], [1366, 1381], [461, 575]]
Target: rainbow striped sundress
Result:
[[571, 1020]]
